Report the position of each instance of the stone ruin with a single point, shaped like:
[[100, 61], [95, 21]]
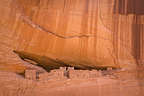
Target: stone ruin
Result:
[[61, 74], [57, 74], [31, 74], [70, 73], [84, 74]]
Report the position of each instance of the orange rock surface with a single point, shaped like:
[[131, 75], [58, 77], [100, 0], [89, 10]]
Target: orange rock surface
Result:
[[86, 32]]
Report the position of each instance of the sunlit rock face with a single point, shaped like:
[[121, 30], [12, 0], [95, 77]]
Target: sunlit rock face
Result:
[[77, 32]]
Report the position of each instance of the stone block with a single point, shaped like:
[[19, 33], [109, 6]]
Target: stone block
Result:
[[31, 74]]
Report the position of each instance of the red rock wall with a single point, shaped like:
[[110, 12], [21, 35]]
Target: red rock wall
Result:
[[94, 32]]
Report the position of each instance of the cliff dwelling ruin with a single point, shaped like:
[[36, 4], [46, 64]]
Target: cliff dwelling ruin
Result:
[[71, 48]]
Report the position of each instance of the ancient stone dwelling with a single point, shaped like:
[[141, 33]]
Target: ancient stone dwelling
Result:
[[62, 73], [43, 38], [31, 74]]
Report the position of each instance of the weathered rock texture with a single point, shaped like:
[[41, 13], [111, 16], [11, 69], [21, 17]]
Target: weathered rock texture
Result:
[[80, 32]]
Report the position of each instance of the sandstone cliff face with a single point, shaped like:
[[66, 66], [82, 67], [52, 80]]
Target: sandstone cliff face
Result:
[[85, 32]]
